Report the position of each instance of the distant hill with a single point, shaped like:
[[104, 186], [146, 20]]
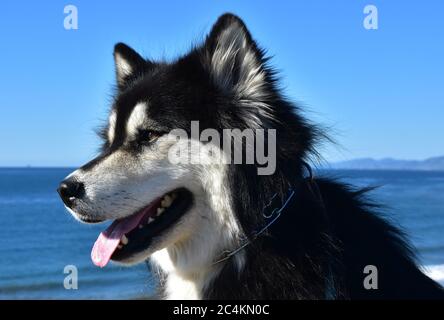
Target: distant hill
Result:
[[430, 164]]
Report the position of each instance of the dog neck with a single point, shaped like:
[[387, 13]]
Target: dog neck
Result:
[[178, 284]]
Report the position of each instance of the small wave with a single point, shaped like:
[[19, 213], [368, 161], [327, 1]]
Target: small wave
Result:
[[436, 272]]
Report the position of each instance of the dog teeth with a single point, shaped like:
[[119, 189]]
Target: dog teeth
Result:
[[150, 220], [166, 201], [124, 240], [119, 246], [140, 226], [160, 211]]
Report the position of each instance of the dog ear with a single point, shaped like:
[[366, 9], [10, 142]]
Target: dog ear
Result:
[[128, 63], [234, 61]]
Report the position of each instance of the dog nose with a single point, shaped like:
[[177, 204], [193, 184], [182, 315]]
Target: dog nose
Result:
[[70, 190]]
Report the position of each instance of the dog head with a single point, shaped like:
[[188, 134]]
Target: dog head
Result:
[[154, 202]]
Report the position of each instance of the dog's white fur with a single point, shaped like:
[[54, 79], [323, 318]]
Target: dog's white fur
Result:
[[123, 68], [233, 52], [137, 119], [112, 125]]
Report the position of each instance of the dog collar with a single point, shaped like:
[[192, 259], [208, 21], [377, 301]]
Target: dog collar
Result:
[[270, 218]]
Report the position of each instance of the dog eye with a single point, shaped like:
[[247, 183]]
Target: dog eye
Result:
[[147, 136]]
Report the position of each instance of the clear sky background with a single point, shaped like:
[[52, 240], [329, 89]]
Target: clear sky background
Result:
[[381, 91]]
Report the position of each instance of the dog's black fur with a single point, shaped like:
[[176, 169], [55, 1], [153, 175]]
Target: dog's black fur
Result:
[[321, 244], [328, 233]]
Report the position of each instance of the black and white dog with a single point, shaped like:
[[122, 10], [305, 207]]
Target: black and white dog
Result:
[[217, 230]]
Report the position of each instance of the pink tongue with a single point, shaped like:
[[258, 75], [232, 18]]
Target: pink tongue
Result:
[[109, 239]]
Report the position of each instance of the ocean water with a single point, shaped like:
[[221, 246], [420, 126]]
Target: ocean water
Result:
[[39, 237]]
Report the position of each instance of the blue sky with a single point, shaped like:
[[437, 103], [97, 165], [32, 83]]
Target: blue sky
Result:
[[381, 91]]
